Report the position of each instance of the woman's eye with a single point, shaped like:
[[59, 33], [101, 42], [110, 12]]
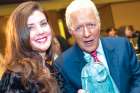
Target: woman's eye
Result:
[[44, 24], [30, 28]]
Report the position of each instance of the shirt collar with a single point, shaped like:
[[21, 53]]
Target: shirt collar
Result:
[[100, 48]]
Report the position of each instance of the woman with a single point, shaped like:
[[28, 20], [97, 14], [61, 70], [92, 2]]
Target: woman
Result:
[[112, 32], [1, 65], [29, 36], [129, 32], [56, 48], [59, 46]]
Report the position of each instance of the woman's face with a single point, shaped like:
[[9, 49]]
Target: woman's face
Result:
[[40, 31], [112, 33], [128, 32]]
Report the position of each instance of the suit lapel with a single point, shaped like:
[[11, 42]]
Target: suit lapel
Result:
[[112, 61], [80, 61]]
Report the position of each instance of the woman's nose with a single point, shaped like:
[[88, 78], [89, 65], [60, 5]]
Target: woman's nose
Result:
[[39, 29]]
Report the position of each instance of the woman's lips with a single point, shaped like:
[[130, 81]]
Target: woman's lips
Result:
[[41, 39]]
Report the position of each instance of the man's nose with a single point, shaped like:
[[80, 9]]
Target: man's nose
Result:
[[86, 32]]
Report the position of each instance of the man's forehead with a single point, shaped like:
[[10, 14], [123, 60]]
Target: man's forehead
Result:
[[84, 14]]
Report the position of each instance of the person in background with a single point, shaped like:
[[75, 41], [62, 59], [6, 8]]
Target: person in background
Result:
[[63, 43], [71, 41], [112, 62], [129, 32], [112, 32], [126, 31], [57, 50], [28, 37], [138, 40], [2, 68], [59, 46]]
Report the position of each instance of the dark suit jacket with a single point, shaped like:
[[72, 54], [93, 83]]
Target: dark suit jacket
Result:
[[121, 60]]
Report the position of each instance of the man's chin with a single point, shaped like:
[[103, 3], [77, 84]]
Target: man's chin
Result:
[[89, 50]]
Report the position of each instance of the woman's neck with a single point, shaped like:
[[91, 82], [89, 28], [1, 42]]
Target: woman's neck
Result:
[[43, 55]]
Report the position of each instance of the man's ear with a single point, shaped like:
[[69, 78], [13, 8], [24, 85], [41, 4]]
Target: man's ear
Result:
[[70, 32]]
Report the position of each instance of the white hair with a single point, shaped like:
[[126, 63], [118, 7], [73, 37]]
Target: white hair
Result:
[[77, 5]]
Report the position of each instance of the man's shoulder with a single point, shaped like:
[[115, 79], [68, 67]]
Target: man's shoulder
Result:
[[67, 55], [114, 40], [68, 59], [116, 43], [69, 52]]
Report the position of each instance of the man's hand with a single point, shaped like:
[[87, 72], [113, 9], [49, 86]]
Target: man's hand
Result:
[[81, 91]]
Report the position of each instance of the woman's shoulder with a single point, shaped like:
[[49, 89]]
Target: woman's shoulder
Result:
[[9, 76], [11, 83]]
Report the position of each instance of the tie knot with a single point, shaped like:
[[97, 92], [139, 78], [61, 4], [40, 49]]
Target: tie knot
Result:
[[94, 55]]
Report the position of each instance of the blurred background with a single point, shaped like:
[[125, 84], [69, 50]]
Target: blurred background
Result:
[[113, 13]]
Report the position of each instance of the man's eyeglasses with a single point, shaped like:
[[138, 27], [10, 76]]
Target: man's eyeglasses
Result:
[[89, 26]]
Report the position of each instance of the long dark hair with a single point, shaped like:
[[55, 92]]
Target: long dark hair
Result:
[[18, 51], [121, 30]]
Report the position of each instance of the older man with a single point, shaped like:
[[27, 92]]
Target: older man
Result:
[[97, 65]]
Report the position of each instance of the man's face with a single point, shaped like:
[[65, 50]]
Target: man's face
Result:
[[85, 28]]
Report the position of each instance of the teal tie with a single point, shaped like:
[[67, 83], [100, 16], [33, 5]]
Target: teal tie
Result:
[[95, 77]]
